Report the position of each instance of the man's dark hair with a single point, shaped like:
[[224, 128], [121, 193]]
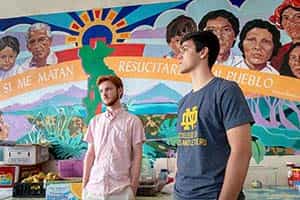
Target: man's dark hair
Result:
[[10, 41], [203, 39], [258, 23], [180, 26], [233, 20]]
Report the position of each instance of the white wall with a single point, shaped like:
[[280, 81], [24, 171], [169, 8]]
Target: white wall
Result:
[[12, 8]]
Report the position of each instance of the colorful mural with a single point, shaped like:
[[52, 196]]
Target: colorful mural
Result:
[[49, 65]]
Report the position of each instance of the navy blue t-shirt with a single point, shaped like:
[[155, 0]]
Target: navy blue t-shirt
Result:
[[204, 116]]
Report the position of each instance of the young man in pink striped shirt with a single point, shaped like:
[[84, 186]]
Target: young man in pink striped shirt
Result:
[[113, 159]]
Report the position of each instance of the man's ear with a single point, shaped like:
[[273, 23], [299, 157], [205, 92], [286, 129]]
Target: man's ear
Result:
[[203, 53], [121, 91]]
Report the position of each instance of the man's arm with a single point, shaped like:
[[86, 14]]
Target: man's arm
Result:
[[88, 163], [136, 166], [239, 139]]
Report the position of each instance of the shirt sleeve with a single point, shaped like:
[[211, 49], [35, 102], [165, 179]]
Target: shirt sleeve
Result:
[[89, 138], [138, 132], [235, 110]]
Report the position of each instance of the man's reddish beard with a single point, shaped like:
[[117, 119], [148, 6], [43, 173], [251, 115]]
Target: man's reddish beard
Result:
[[113, 101]]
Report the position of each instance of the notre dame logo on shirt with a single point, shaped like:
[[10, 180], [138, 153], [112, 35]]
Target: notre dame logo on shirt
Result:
[[189, 136], [189, 118]]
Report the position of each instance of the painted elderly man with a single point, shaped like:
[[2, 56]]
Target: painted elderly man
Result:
[[39, 40]]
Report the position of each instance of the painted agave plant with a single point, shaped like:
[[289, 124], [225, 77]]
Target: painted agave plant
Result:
[[66, 146], [167, 131]]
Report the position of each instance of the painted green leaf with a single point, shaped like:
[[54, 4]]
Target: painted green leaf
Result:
[[258, 151]]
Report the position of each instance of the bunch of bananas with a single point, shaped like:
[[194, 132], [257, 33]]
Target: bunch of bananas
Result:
[[40, 177]]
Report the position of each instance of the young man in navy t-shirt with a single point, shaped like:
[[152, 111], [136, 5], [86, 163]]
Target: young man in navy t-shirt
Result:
[[214, 145]]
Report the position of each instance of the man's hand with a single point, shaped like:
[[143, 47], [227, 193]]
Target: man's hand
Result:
[[87, 165], [136, 166]]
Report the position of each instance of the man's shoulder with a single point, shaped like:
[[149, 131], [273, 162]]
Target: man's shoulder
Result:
[[226, 88], [131, 116], [220, 85], [183, 99], [225, 84], [97, 117]]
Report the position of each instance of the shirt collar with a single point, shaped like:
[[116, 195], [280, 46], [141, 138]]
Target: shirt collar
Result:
[[111, 114]]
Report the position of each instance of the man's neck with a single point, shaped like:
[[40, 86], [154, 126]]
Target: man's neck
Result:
[[201, 76], [114, 107]]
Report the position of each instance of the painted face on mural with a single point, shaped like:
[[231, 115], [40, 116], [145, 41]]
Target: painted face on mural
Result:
[[188, 57], [175, 44], [294, 61], [109, 93], [222, 28], [7, 58], [76, 126], [290, 20], [39, 45], [258, 48]]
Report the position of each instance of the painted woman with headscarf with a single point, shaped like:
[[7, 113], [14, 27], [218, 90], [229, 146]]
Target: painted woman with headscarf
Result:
[[287, 17]]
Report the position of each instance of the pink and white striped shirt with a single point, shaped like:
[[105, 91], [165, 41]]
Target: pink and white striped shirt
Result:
[[113, 135]]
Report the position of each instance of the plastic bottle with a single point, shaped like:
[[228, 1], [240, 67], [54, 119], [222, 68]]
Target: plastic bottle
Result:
[[290, 166]]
